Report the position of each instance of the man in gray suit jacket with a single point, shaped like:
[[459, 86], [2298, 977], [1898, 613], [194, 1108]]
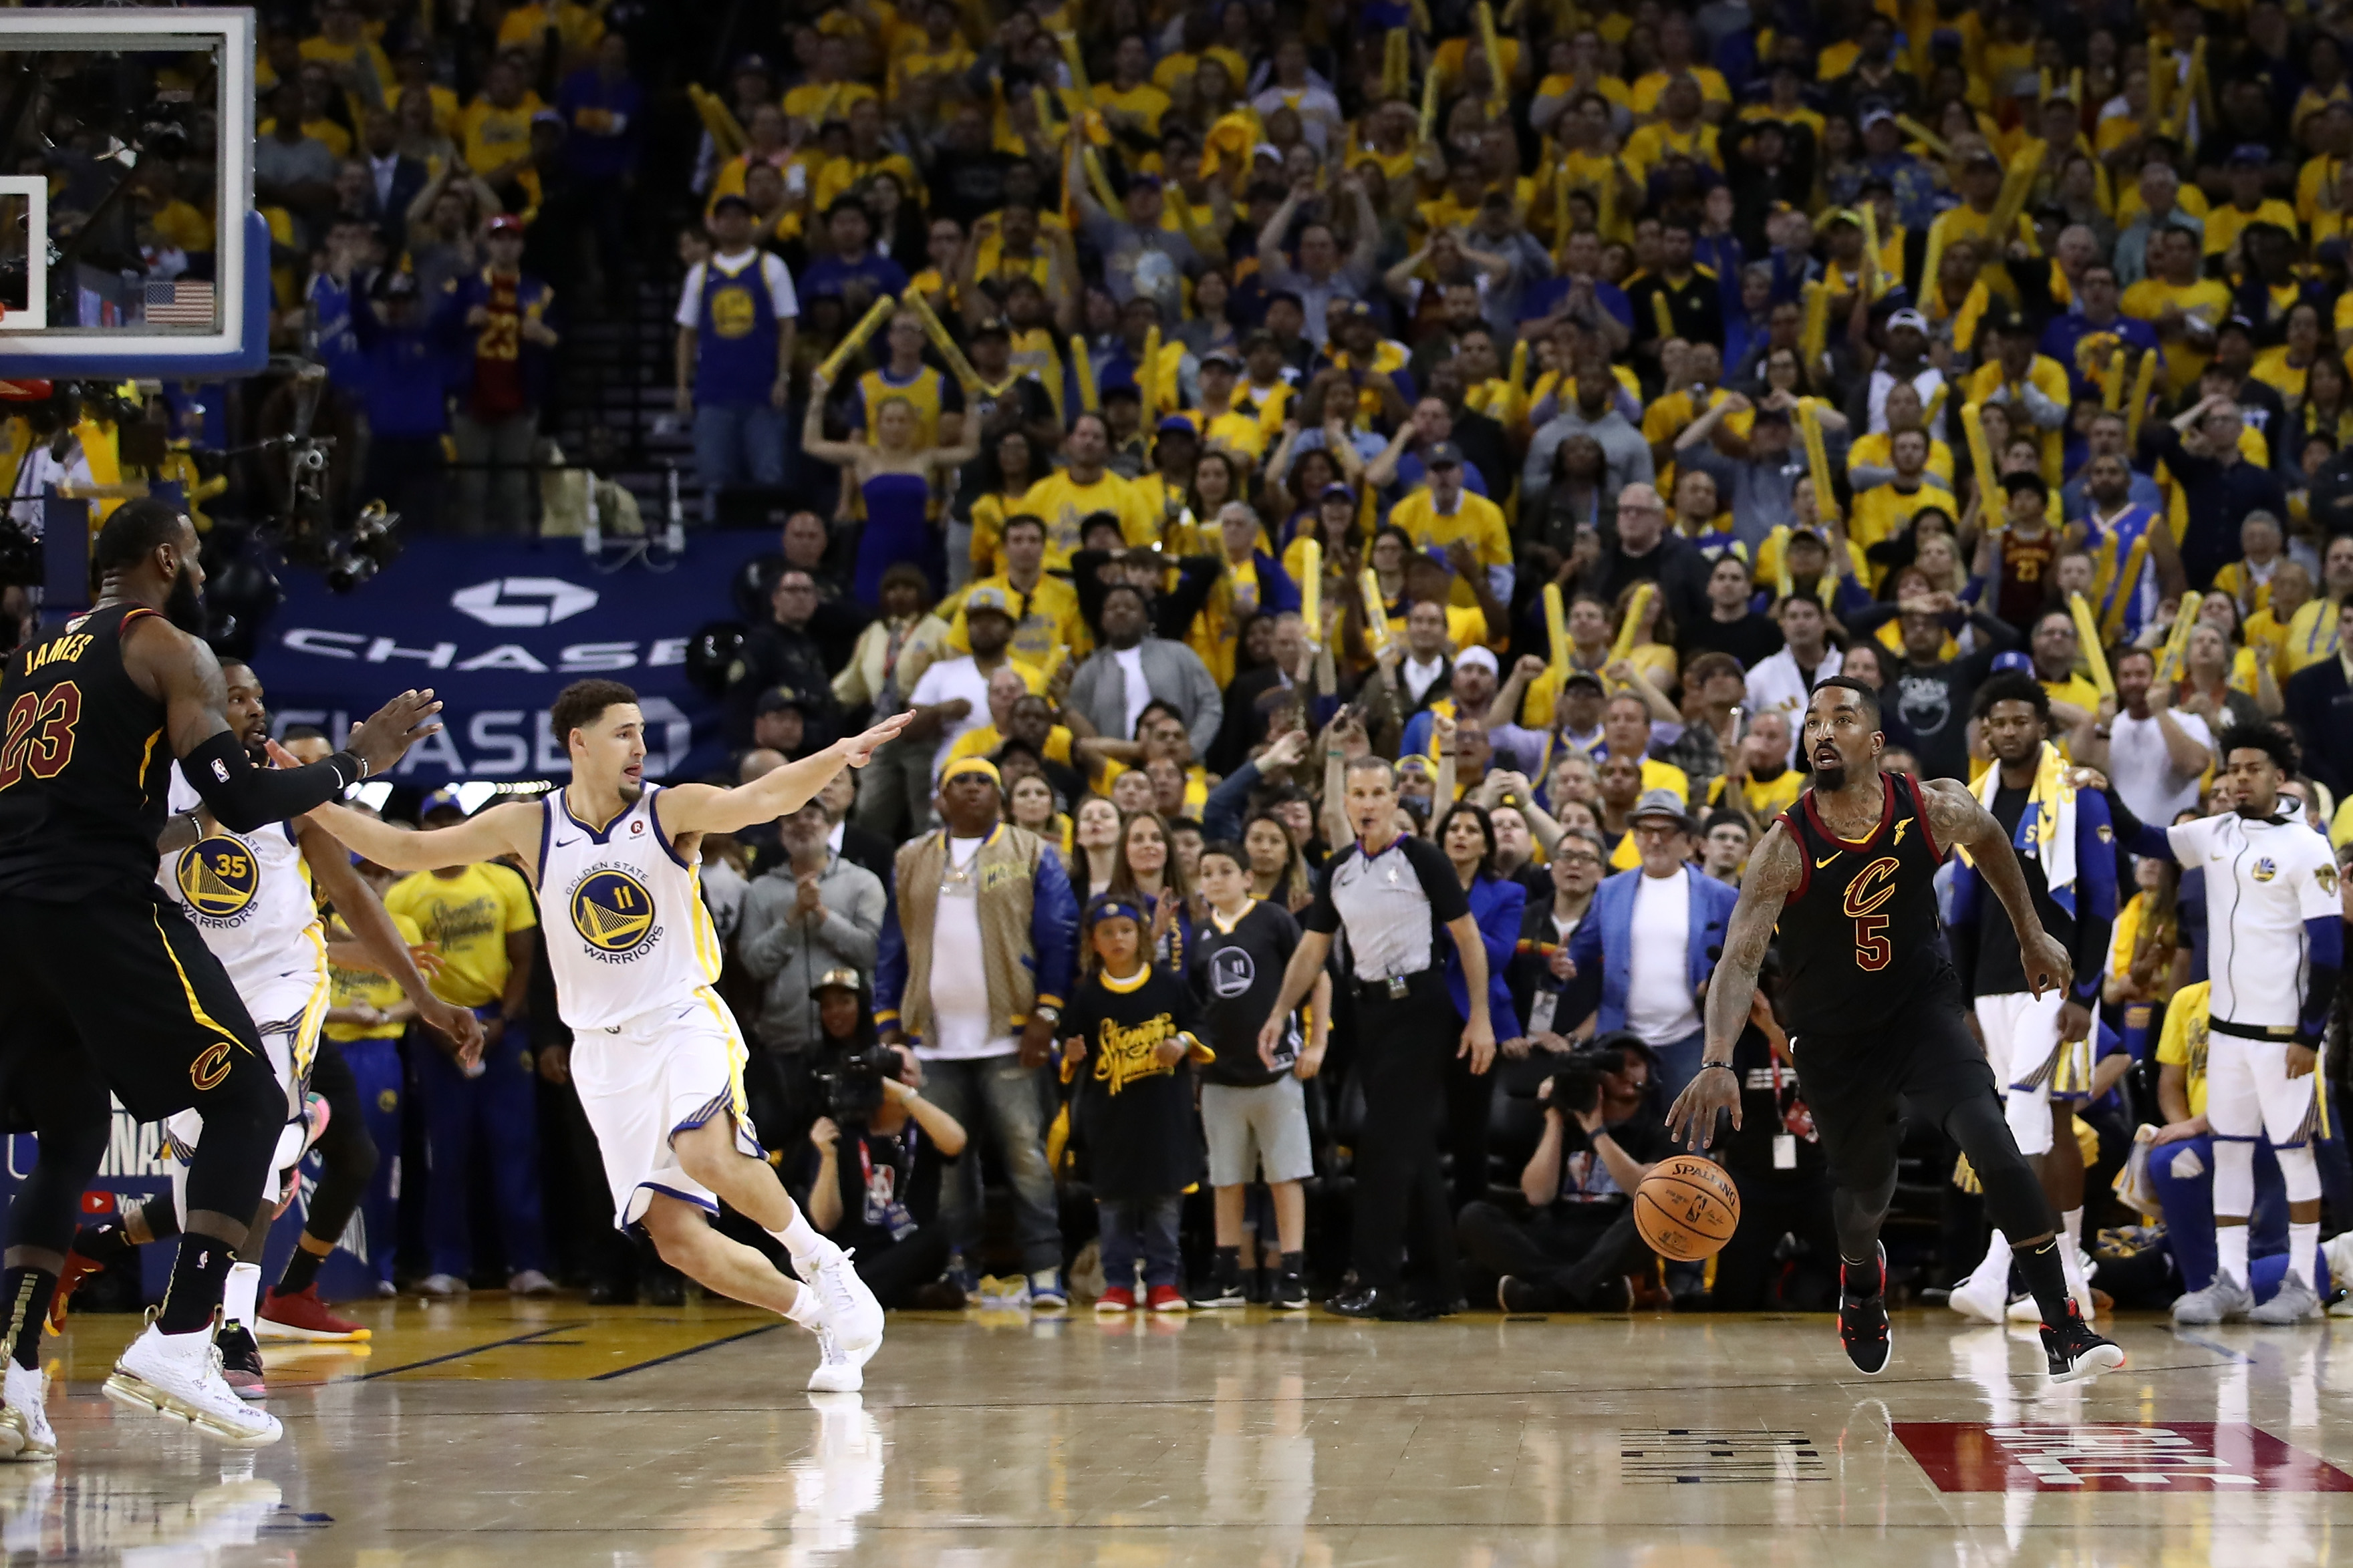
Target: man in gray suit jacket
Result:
[[1132, 670]]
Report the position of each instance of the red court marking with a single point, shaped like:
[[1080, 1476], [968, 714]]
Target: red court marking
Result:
[[2179, 1455]]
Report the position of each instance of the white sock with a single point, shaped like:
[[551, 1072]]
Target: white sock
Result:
[[2072, 1222], [807, 1309], [802, 1241], [1996, 1261], [2303, 1247], [2231, 1242], [237, 1297]]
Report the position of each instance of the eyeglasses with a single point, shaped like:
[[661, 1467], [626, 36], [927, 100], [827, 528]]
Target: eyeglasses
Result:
[[1592, 861]]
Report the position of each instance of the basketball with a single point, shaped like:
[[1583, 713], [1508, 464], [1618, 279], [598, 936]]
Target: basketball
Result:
[[1687, 1208]]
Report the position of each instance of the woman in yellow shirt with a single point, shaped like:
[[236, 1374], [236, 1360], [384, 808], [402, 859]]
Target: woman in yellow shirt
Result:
[[1007, 471]]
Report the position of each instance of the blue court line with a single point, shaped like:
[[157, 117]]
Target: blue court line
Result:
[[681, 1355]]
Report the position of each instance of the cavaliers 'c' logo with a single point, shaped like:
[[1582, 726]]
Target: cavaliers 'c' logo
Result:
[[218, 876], [1872, 887], [614, 913], [212, 1065]]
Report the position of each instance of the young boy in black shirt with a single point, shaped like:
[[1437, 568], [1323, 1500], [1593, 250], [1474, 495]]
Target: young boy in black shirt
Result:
[[1253, 1109]]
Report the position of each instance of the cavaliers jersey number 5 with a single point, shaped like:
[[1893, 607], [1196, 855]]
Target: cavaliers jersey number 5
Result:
[[623, 915], [1860, 935]]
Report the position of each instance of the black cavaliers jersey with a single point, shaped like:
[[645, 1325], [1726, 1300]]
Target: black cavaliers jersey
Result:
[[1860, 936], [84, 772]]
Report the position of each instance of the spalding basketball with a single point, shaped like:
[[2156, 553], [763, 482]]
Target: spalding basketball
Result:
[[1687, 1208]]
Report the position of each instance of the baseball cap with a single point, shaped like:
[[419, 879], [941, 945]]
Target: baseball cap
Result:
[[512, 223], [1176, 425], [2013, 661], [1442, 455], [1226, 357], [1911, 319], [776, 698], [1657, 802], [1478, 657], [1348, 310], [1581, 677], [1878, 114], [981, 600], [836, 980], [1336, 488], [438, 801], [992, 327]]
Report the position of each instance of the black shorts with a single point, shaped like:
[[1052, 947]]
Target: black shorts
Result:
[[120, 981], [1918, 1065]]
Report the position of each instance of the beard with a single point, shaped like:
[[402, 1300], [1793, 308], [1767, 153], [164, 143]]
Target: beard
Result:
[[184, 607], [1831, 779]]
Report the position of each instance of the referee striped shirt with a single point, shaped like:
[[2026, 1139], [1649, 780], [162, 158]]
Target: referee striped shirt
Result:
[[1391, 904]]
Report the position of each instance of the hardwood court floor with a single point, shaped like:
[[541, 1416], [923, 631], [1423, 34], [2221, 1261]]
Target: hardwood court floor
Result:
[[505, 1432]]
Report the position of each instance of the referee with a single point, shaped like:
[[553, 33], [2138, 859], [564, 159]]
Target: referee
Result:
[[1392, 891]]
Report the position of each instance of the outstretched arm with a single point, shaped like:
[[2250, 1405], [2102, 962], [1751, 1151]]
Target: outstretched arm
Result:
[[706, 808], [510, 829], [1957, 820], [362, 911], [1773, 873], [841, 454]]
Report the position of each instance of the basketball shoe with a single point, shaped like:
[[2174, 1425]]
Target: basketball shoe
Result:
[[2075, 1353], [178, 1376], [300, 1315], [25, 1432], [839, 1369], [1863, 1320], [849, 1304]]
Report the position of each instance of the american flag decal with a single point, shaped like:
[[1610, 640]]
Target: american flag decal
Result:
[[184, 303]]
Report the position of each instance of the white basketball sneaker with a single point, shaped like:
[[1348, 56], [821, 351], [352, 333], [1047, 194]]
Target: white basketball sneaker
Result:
[[850, 1307], [178, 1376], [25, 1430], [1982, 1296], [839, 1370]]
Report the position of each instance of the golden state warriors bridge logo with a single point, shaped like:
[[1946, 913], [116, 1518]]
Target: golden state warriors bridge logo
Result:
[[614, 914], [218, 878]]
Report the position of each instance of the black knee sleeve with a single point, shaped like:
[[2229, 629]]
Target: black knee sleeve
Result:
[[2014, 1199]]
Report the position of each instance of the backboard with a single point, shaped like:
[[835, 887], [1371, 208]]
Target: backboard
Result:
[[129, 242]]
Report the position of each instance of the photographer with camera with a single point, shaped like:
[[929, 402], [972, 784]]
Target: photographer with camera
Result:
[[1571, 1252], [880, 1147]]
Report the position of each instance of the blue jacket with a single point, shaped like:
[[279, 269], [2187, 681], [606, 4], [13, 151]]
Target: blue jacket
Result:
[[1603, 947], [1053, 940], [1497, 903]]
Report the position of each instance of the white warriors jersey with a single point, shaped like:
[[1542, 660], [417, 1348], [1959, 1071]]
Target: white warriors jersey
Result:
[[249, 894], [622, 914]]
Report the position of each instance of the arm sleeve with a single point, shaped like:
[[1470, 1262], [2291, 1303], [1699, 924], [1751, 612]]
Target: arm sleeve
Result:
[[1053, 929], [2136, 834], [2325, 937], [1323, 916], [1969, 894], [1438, 882], [1221, 815], [246, 797], [2095, 894]]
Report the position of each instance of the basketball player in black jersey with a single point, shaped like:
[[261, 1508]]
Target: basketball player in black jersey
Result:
[[1874, 1011], [108, 985]]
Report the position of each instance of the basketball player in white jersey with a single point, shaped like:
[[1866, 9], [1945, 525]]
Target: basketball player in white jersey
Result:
[[656, 1055], [251, 897]]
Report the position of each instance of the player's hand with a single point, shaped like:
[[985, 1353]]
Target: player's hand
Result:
[[858, 749], [556, 1062], [2045, 961], [381, 739], [459, 1026], [1037, 1041], [2074, 1021], [1478, 1043], [1691, 1119], [427, 958], [2300, 1059]]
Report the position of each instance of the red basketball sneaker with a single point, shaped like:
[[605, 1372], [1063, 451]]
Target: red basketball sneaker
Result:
[[302, 1316]]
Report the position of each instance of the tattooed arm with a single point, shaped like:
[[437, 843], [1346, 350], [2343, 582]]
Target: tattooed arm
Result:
[[1773, 873], [1957, 820]]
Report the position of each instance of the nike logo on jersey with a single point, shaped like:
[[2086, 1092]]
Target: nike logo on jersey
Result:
[[1826, 859], [568, 843]]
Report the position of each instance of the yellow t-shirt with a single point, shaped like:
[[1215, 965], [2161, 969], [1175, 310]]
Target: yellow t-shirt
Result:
[[1765, 801], [2311, 635], [490, 136], [1052, 619], [988, 737], [2224, 223], [1884, 510], [366, 988], [818, 101], [1475, 519], [2207, 299], [2183, 1043], [1644, 95], [467, 917], [1064, 504]]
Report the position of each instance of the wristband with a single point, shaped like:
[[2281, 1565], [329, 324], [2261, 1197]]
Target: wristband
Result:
[[1715, 1067], [350, 766]]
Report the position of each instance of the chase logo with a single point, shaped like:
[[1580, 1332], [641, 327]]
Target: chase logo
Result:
[[524, 601], [614, 914], [217, 877]]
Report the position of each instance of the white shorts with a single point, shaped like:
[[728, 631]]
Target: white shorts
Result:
[[288, 1010], [2030, 1063], [644, 1081], [1263, 1127], [2248, 1092]]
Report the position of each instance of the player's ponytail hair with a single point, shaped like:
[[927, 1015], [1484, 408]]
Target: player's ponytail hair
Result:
[[582, 703]]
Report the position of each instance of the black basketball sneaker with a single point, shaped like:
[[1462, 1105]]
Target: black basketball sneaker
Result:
[[2077, 1353], [1863, 1320]]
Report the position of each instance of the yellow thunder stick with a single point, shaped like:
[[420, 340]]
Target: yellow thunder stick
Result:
[[1499, 90], [1148, 394], [1083, 365], [1560, 213], [2143, 378], [1519, 375], [1069, 42], [2015, 185], [1818, 462], [1097, 181], [1814, 338], [1873, 282], [1397, 63], [1311, 589], [2087, 634], [933, 329], [1377, 618], [2112, 383], [1923, 135], [1632, 628], [868, 325], [1935, 406], [2177, 642], [1429, 108], [1557, 631], [1038, 104], [1662, 316], [1988, 486]]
